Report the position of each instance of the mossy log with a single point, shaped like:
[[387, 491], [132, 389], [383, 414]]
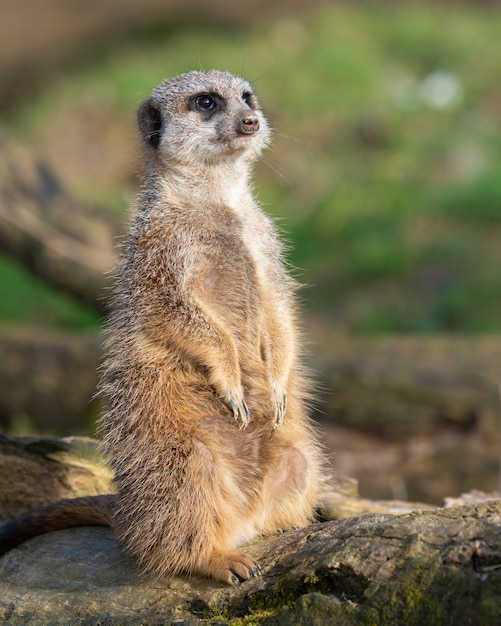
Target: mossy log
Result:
[[429, 567]]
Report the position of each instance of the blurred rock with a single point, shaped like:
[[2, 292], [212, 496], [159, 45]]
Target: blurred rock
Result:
[[411, 417], [398, 386], [47, 380]]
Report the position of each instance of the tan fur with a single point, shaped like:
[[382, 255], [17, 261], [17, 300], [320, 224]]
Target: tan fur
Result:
[[207, 428]]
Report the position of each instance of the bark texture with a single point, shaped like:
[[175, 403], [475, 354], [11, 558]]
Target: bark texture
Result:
[[429, 567]]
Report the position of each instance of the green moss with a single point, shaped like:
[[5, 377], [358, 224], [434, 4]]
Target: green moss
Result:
[[437, 595], [255, 618]]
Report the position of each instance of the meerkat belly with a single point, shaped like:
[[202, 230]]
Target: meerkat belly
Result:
[[231, 288]]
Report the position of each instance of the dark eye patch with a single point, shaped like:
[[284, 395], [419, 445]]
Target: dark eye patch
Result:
[[206, 103], [249, 99]]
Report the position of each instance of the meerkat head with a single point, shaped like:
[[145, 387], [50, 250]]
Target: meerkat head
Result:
[[203, 118]]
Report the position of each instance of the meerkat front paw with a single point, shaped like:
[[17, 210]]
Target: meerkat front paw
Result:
[[231, 393], [238, 407]]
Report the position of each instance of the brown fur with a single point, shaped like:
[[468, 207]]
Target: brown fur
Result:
[[85, 511], [206, 426]]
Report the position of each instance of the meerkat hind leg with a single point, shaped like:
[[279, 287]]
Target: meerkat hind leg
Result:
[[231, 567]]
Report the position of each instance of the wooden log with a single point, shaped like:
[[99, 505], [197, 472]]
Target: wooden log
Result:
[[67, 243]]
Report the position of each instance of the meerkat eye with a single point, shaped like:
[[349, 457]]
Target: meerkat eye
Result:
[[205, 102]]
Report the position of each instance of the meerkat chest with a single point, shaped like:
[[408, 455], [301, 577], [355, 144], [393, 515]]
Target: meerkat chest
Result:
[[263, 248], [236, 265]]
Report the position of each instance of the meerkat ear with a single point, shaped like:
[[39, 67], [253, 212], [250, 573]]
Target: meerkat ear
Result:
[[150, 122]]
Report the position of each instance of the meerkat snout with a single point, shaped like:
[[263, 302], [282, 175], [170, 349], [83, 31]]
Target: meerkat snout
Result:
[[249, 124]]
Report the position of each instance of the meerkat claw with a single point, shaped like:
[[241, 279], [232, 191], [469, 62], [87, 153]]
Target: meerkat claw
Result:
[[240, 411], [280, 409]]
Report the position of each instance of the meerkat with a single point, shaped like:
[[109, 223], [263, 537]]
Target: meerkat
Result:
[[206, 423]]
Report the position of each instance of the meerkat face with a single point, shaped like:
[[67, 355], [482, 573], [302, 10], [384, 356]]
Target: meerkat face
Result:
[[204, 118]]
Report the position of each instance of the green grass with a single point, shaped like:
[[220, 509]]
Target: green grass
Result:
[[27, 300], [392, 206]]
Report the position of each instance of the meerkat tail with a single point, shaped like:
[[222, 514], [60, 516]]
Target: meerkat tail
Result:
[[85, 511]]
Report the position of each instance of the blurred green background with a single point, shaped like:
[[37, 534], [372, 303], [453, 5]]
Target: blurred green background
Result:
[[384, 177], [384, 172]]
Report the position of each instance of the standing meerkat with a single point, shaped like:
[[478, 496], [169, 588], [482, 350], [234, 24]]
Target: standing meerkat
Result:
[[206, 425]]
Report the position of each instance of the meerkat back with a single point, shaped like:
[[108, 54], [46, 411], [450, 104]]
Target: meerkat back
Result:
[[206, 423]]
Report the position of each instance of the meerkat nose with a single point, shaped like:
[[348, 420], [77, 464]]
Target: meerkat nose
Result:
[[248, 124]]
